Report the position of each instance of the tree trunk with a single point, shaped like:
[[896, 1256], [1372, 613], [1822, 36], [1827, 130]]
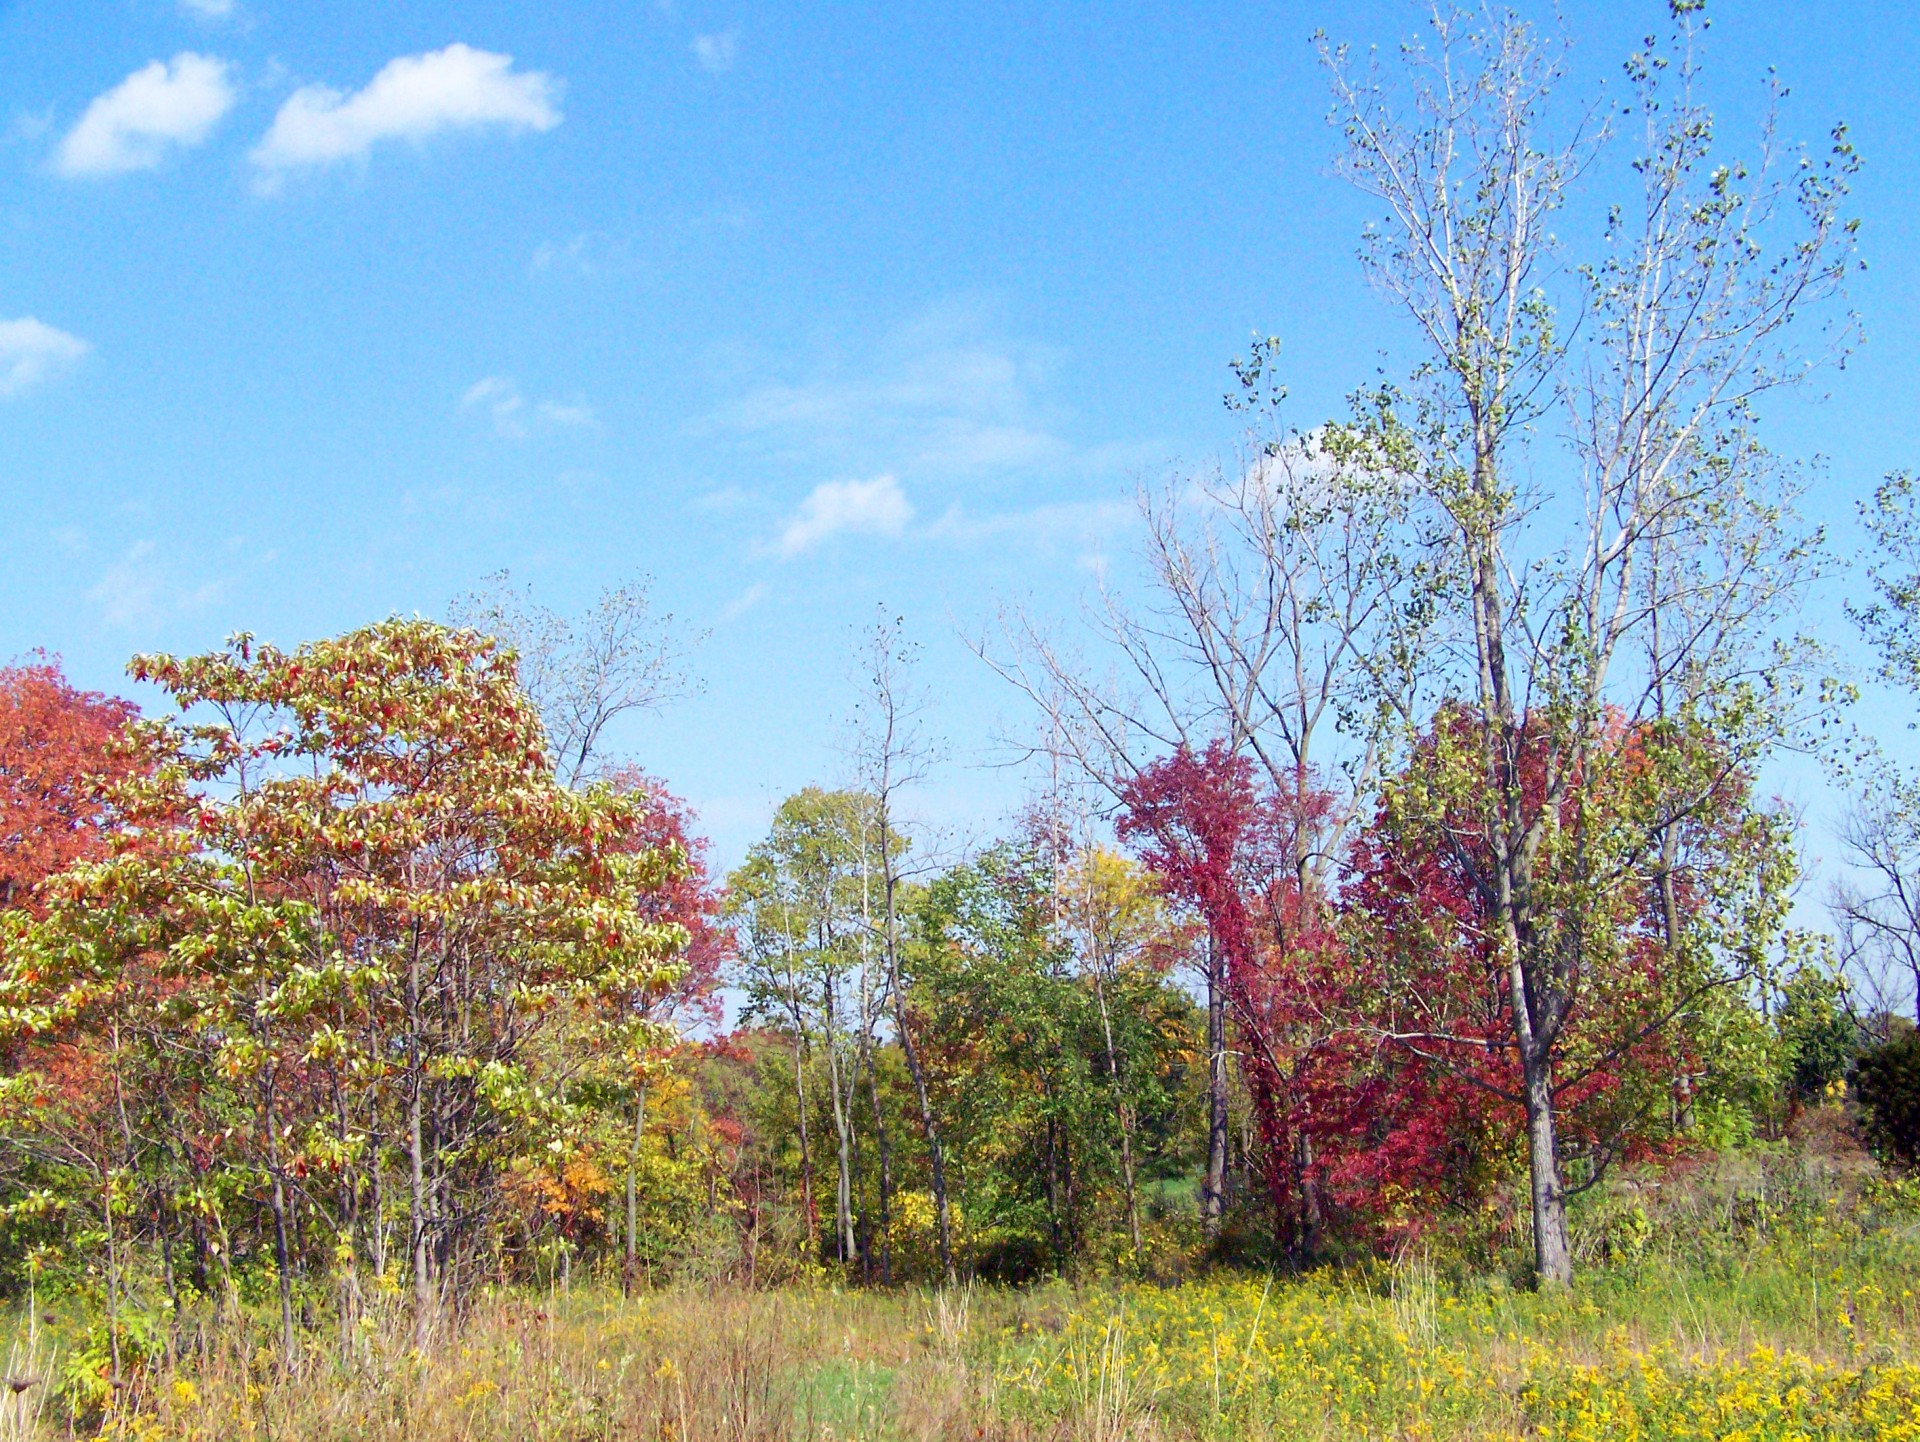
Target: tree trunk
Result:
[[843, 1129], [1213, 1192], [281, 1259], [417, 1231], [884, 1156], [1123, 1112], [633, 1203], [1552, 1250], [930, 1130], [806, 1152]]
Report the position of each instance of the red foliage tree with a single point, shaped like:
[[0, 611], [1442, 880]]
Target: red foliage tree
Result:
[[690, 899], [1644, 948], [1350, 1130], [1235, 853], [57, 745]]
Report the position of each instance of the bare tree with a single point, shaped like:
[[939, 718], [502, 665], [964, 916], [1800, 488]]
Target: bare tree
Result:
[[586, 671], [893, 754], [1879, 907]]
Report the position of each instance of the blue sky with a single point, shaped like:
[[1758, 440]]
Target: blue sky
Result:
[[311, 315]]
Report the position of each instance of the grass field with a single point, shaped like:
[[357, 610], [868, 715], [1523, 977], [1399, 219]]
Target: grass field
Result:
[[1747, 1299]]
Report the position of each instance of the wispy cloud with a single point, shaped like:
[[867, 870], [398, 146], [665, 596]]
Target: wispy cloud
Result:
[[722, 501], [499, 397], [941, 397], [208, 9], [1062, 522], [160, 108], [868, 508], [744, 602], [572, 417], [412, 98], [590, 253], [32, 351], [140, 591], [716, 53]]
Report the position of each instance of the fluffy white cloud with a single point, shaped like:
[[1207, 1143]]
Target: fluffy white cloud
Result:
[[165, 105], [412, 98], [716, 52], [31, 351], [870, 508]]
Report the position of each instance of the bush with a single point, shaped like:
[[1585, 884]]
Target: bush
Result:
[[1817, 1035], [1886, 1080]]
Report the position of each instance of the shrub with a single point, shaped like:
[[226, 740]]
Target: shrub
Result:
[[1886, 1080]]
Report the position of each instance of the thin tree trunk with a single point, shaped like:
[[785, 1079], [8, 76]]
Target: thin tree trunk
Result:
[[1125, 1113], [417, 1230], [930, 1129], [633, 1205], [1213, 1191], [806, 1153], [842, 1123], [113, 1277], [884, 1155], [282, 1259]]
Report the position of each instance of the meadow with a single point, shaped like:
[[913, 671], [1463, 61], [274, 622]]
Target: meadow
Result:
[[1762, 1294]]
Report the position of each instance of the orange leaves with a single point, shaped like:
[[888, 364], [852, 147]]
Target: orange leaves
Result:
[[59, 748]]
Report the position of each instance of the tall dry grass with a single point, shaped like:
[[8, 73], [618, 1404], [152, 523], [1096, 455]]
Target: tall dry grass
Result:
[[1763, 1297]]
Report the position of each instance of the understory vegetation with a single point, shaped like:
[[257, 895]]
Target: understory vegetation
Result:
[[1765, 1293]]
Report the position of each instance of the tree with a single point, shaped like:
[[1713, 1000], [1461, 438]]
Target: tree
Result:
[[800, 905], [370, 908], [1878, 908], [1651, 958], [1268, 627], [1886, 1079], [892, 754], [583, 673], [57, 750], [1115, 919], [1687, 313], [634, 1018]]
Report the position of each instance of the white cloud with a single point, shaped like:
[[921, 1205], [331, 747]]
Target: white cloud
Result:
[[31, 351], [500, 398], [29, 125], [412, 98], [868, 508], [165, 105], [208, 9], [570, 416], [942, 396], [1057, 523], [140, 590], [716, 53], [744, 602]]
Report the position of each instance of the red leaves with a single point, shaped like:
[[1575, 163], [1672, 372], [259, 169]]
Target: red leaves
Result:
[[1232, 853], [58, 746]]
